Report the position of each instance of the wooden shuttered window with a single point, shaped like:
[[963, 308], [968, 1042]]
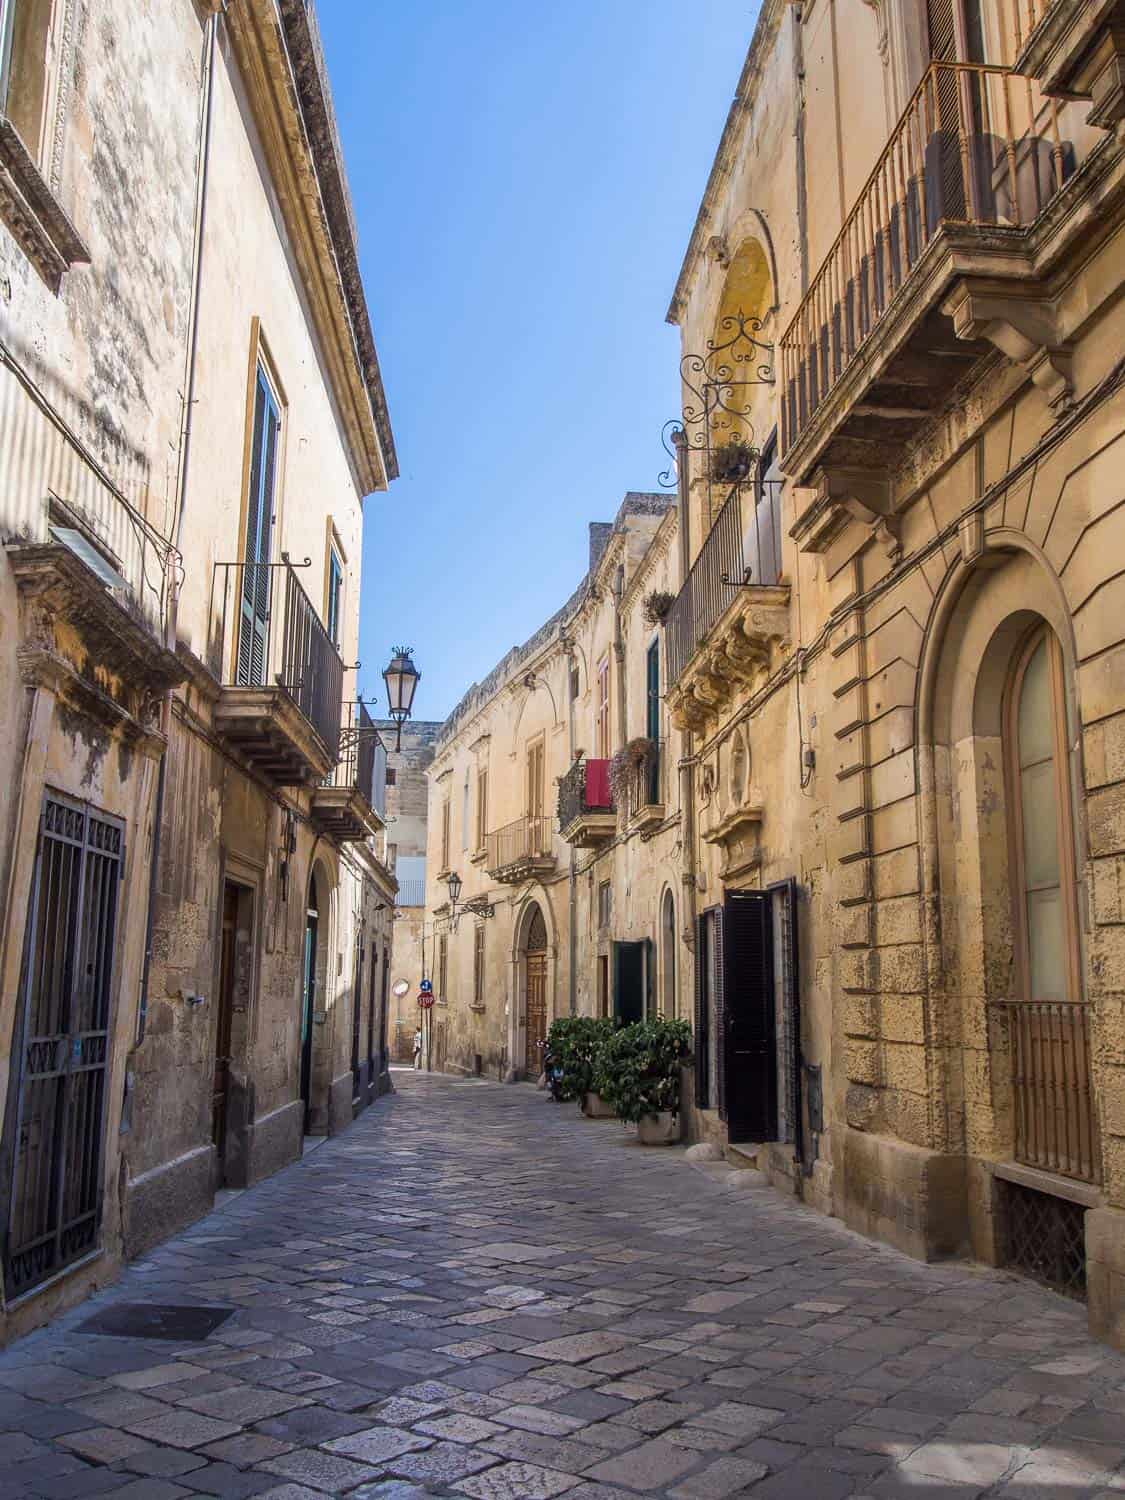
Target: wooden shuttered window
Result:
[[482, 806], [445, 834], [478, 964], [253, 636], [747, 1023]]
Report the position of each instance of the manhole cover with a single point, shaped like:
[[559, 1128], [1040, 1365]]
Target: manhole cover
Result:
[[141, 1320]]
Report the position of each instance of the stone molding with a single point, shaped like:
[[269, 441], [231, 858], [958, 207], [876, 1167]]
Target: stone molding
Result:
[[738, 654]]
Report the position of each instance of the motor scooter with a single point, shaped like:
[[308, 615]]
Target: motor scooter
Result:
[[552, 1071]]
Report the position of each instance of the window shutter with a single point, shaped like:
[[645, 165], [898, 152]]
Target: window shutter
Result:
[[748, 1068], [701, 1038], [942, 30], [720, 1040]]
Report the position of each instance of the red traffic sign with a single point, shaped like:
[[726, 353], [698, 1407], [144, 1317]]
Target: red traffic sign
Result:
[[425, 1001]]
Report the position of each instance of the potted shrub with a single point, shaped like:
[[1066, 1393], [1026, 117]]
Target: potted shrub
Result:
[[573, 1042], [638, 1074], [733, 463], [629, 765], [656, 606]]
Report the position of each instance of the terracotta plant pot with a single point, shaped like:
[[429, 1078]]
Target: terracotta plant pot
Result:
[[659, 1130], [594, 1107]]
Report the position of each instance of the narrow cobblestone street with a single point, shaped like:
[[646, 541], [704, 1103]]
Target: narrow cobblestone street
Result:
[[474, 1292]]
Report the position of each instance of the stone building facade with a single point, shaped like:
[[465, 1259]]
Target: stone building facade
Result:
[[407, 809], [893, 675], [198, 909], [902, 292], [566, 891]]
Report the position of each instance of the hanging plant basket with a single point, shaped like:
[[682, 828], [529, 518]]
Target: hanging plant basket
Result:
[[657, 605], [734, 462], [630, 761]]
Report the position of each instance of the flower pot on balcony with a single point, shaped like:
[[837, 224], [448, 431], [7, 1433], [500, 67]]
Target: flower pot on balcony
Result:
[[662, 1129], [594, 1107]]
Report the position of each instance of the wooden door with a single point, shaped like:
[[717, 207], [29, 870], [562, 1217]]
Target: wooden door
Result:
[[749, 1032], [536, 1012], [308, 1002], [220, 1078]]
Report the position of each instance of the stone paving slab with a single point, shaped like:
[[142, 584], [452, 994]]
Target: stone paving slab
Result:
[[474, 1292]]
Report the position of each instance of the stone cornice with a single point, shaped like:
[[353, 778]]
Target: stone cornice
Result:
[[657, 550], [277, 49], [745, 95]]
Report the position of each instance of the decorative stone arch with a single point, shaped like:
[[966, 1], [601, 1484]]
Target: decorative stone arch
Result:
[[534, 923], [983, 613], [316, 1011]]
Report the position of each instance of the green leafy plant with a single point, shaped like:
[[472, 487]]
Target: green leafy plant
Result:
[[574, 1043], [733, 463], [627, 764], [656, 606], [637, 1070]]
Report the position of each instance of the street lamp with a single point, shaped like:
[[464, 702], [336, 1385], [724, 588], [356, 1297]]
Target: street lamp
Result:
[[453, 885], [402, 678]]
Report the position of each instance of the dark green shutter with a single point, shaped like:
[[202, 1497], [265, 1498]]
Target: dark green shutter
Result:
[[252, 639], [749, 1065]]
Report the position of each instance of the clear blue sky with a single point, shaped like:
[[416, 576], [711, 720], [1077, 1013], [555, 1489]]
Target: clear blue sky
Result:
[[525, 179]]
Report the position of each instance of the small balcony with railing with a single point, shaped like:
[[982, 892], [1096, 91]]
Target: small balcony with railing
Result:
[[281, 700], [587, 816], [644, 801], [933, 269], [732, 612], [350, 804], [1075, 49], [521, 849]]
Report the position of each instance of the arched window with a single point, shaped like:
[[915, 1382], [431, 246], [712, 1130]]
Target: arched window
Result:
[[1042, 834], [536, 933]]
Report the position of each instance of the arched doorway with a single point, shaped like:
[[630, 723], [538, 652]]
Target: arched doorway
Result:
[[535, 991], [668, 956], [1015, 1085]]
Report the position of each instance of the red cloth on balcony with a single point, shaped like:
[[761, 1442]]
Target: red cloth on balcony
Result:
[[597, 784]]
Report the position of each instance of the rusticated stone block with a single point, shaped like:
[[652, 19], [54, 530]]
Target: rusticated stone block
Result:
[[898, 921], [1105, 1274], [904, 1194], [902, 1018], [896, 873], [850, 840], [904, 1066], [1106, 820], [1107, 959], [901, 969], [861, 1060], [854, 926], [1103, 752], [907, 1115], [861, 1016], [862, 1107], [857, 969]]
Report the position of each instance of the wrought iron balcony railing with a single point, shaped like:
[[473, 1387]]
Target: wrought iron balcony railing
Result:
[[584, 789], [274, 637], [527, 841], [363, 759], [976, 145], [1056, 1125], [646, 786], [736, 552]]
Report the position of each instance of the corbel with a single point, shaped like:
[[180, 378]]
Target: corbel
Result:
[[1023, 329]]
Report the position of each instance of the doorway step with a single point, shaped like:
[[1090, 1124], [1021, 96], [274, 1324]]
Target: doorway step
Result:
[[744, 1155]]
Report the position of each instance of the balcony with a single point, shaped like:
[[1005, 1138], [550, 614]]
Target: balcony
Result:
[[281, 700], [586, 812], [732, 614], [350, 803], [931, 269], [1075, 49], [520, 850], [645, 801]]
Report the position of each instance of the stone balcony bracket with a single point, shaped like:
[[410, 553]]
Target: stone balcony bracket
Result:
[[840, 496], [1077, 51], [738, 834], [738, 656], [1022, 327]]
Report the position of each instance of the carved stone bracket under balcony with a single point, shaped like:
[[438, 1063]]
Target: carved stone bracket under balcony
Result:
[[739, 654], [77, 636], [1077, 51], [1021, 325], [844, 495], [268, 730], [343, 813], [737, 833]]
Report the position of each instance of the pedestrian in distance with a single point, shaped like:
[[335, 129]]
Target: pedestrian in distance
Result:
[[418, 1047]]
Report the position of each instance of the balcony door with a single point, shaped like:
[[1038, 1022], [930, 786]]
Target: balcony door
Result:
[[253, 635], [536, 790], [652, 717]]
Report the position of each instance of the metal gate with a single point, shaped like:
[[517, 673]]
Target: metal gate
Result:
[[56, 1113]]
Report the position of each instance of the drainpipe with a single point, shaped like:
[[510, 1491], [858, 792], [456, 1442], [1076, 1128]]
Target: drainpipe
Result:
[[687, 759], [796, 14], [572, 986], [174, 569], [618, 587]]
